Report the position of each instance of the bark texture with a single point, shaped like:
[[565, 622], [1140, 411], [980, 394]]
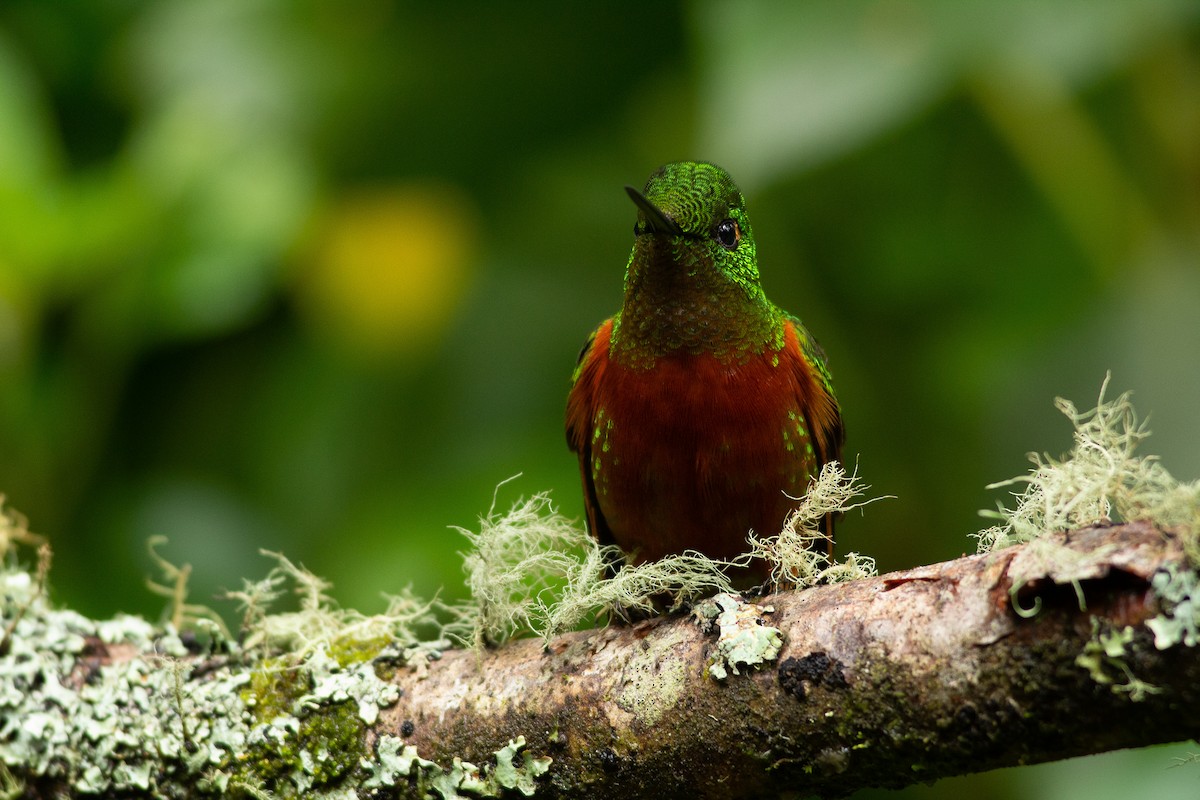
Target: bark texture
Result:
[[884, 682]]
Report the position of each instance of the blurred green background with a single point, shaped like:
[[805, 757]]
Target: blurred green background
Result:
[[311, 276]]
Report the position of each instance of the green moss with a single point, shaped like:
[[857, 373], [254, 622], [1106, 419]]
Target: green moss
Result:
[[334, 738], [347, 651], [297, 755], [275, 684]]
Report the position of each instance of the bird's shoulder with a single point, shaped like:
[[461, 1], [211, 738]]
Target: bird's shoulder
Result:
[[595, 346], [810, 349], [819, 401], [580, 400]]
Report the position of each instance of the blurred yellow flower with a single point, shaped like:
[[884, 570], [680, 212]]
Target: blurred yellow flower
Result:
[[386, 268]]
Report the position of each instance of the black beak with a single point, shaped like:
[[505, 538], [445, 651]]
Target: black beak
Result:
[[656, 220]]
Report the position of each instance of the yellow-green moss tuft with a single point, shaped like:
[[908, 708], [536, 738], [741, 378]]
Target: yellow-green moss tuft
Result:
[[791, 553], [1101, 478], [318, 622], [533, 569]]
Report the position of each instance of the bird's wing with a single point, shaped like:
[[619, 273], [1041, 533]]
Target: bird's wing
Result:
[[819, 402], [580, 420], [820, 408]]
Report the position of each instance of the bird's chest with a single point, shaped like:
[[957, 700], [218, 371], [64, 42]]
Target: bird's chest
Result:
[[693, 419]]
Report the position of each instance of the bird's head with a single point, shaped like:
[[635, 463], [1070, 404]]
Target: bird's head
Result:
[[692, 217]]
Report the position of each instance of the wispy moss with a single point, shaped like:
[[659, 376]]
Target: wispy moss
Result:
[[1102, 478], [180, 613], [517, 564], [318, 622], [633, 587], [533, 569], [791, 554]]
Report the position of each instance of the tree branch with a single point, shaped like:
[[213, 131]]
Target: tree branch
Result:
[[906, 677], [883, 682]]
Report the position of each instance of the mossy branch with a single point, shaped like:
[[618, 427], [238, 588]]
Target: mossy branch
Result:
[[1067, 634], [877, 682], [885, 681]]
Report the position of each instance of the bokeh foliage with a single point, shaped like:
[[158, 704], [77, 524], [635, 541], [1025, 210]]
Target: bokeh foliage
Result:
[[311, 276]]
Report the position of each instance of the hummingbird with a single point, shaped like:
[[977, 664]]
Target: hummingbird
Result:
[[700, 411]]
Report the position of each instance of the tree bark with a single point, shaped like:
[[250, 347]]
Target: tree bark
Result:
[[884, 682]]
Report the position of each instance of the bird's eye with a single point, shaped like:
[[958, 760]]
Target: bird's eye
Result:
[[727, 234]]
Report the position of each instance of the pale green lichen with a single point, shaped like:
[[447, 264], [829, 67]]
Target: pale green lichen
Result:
[[1101, 479], [795, 555], [1179, 591], [744, 638], [1104, 657], [652, 682], [337, 684], [144, 725], [124, 727], [397, 764], [282, 716]]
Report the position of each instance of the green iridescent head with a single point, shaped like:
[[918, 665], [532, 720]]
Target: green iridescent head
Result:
[[692, 281], [696, 208]]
